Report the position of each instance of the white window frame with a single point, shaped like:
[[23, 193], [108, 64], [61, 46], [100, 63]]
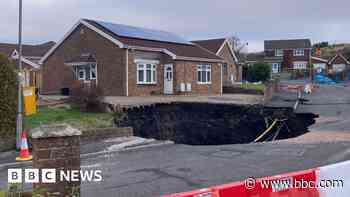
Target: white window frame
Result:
[[278, 67], [206, 69], [298, 52], [279, 52], [153, 70], [84, 71], [300, 65], [93, 78]]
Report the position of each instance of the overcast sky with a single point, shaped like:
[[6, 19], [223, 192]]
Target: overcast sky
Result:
[[251, 20]]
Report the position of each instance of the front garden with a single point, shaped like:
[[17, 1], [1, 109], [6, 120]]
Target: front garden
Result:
[[69, 115]]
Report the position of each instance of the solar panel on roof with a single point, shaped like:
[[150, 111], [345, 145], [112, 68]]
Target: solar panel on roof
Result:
[[142, 33]]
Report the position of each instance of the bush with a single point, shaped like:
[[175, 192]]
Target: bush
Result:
[[259, 72], [8, 97], [88, 97]]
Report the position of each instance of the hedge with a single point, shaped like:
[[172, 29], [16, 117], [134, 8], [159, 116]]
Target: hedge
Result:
[[8, 97]]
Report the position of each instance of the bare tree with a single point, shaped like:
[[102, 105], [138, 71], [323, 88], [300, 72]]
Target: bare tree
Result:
[[237, 44]]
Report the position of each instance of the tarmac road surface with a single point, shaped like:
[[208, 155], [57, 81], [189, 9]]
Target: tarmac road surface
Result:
[[155, 171]]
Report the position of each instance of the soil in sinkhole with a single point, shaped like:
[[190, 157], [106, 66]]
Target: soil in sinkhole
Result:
[[214, 124]]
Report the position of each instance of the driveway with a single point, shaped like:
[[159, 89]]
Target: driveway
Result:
[[149, 100]]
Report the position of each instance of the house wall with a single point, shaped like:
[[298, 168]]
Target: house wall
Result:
[[232, 67], [144, 90], [186, 72], [111, 63], [289, 58]]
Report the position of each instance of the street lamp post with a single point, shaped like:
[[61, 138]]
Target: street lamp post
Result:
[[20, 77]]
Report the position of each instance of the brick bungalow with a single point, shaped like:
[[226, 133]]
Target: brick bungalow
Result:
[[30, 60], [130, 61], [232, 71]]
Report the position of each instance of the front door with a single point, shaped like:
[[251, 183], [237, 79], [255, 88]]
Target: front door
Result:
[[168, 79]]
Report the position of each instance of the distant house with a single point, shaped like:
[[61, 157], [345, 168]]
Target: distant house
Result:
[[339, 67], [30, 59], [129, 61], [336, 67], [288, 55], [232, 71]]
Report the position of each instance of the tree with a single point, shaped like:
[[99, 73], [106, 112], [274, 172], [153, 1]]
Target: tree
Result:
[[8, 96], [238, 45], [259, 72], [321, 45]]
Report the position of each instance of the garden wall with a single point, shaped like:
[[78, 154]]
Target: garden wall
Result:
[[104, 133]]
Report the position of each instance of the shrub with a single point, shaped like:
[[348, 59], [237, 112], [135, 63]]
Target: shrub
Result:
[[259, 72], [88, 97], [8, 97]]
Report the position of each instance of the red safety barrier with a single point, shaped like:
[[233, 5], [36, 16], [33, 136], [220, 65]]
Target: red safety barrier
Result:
[[228, 190], [288, 185], [208, 192], [232, 190]]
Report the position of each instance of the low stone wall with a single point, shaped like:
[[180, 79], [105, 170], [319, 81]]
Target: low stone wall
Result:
[[7, 143], [239, 90], [104, 133], [57, 148]]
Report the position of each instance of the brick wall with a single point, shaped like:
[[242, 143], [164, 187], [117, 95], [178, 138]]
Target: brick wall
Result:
[[144, 90], [94, 135], [60, 152], [186, 72]]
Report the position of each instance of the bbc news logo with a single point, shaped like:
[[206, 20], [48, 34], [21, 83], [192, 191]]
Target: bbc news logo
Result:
[[52, 175]]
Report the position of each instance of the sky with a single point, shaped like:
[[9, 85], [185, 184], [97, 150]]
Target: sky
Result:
[[253, 21]]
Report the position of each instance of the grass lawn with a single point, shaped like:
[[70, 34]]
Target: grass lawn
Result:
[[74, 117], [252, 86]]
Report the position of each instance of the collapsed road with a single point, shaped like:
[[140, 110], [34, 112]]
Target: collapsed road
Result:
[[215, 124]]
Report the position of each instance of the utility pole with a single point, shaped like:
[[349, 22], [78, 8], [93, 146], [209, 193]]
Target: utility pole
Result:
[[19, 126]]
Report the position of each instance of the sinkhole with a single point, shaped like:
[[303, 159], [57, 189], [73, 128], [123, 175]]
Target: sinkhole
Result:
[[215, 124]]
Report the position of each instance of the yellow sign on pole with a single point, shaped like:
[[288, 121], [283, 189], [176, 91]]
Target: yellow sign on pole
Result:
[[29, 101]]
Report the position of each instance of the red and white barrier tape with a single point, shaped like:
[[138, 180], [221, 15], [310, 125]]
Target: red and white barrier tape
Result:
[[327, 181]]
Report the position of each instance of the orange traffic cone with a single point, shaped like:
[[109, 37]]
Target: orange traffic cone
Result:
[[24, 153]]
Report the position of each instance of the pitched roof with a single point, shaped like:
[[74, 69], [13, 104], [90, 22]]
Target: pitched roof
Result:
[[212, 45], [28, 50], [178, 48], [142, 33], [255, 57], [336, 56], [287, 44]]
